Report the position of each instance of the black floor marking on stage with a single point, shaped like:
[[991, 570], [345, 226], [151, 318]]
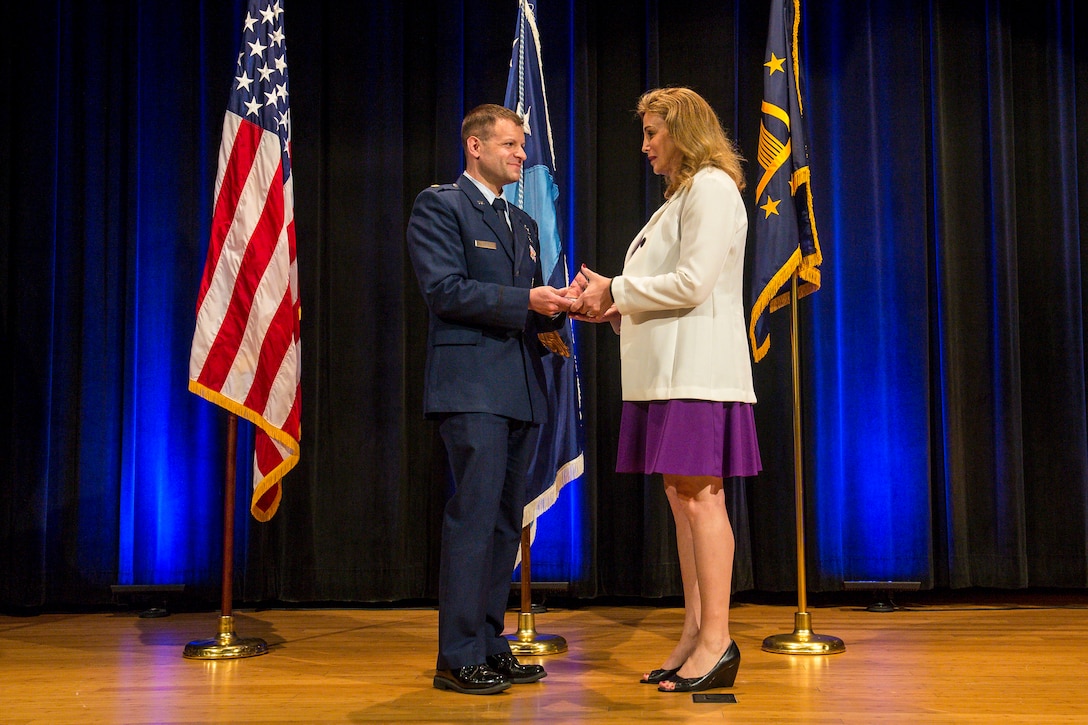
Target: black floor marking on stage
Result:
[[714, 697]]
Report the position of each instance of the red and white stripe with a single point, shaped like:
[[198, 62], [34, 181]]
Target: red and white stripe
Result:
[[246, 350]]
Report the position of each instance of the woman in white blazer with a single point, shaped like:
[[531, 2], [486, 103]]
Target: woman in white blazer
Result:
[[686, 374]]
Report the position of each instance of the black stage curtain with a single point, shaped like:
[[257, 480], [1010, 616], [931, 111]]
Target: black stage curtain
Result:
[[973, 115]]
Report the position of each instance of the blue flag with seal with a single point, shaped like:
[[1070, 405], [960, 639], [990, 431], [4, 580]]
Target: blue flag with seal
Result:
[[786, 240], [559, 456]]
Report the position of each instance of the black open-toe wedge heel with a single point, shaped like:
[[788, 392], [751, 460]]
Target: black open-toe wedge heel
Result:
[[655, 676], [723, 674]]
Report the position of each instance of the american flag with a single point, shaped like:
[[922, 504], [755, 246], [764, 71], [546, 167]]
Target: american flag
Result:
[[246, 354]]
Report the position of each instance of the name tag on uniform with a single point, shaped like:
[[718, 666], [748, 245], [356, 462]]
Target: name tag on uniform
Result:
[[482, 244]]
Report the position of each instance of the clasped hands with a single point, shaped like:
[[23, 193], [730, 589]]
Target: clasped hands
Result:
[[588, 298], [591, 297]]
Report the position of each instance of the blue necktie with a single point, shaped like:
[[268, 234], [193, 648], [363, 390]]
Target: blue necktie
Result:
[[500, 207]]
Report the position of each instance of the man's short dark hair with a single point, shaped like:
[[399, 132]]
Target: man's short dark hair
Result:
[[480, 121]]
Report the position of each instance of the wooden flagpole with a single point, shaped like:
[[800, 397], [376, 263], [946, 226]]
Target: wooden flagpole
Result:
[[226, 644], [527, 641]]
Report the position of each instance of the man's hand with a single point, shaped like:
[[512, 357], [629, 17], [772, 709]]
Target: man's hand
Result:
[[548, 301]]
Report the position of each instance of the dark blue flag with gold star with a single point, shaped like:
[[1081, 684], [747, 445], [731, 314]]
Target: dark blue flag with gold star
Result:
[[785, 239]]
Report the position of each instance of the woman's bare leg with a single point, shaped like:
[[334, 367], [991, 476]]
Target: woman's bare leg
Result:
[[700, 502], [684, 548]]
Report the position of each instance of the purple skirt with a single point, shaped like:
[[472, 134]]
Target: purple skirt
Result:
[[688, 438]]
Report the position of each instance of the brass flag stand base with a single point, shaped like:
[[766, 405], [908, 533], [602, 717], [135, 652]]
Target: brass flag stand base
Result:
[[527, 641], [225, 645], [802, 641]]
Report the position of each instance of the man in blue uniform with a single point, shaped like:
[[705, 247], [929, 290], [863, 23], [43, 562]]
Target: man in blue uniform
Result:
[[477, 260]]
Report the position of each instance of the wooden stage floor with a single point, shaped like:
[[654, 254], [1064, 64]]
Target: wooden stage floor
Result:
[[1007, 660]]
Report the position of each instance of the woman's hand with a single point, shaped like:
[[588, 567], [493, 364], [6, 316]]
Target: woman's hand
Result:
[[596, 297]]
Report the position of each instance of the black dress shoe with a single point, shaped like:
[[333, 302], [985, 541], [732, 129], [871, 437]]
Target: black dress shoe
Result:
[[471, 680], [507, 664], [723, 674], [655, 676]]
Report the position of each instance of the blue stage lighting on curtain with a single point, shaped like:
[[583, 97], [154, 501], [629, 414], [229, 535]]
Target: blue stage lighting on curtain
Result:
[[168, 499], [170, 496], [868, 344]]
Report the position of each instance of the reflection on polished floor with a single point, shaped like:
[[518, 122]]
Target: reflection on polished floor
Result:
[[1008, 660]]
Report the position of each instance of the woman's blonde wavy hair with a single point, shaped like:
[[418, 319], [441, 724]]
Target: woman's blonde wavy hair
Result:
[[695, 129]]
